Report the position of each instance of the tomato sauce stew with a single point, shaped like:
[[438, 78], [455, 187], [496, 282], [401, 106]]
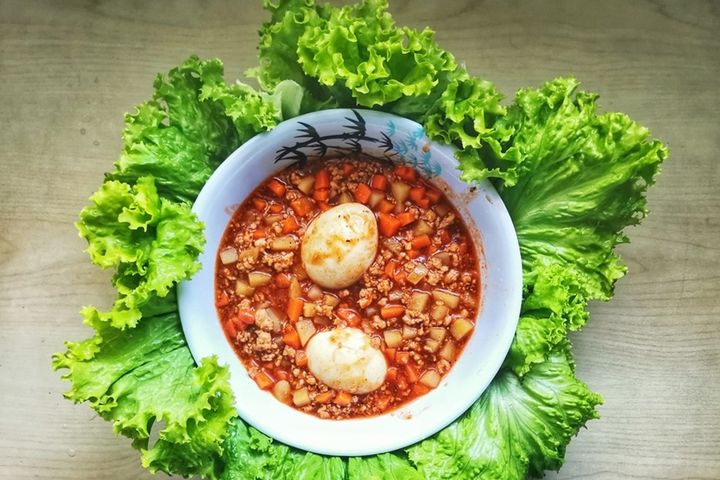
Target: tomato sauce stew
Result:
[[411, 310]]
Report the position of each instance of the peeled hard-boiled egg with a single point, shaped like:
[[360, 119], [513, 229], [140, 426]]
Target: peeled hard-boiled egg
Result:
[[344, 359], [339, 245]]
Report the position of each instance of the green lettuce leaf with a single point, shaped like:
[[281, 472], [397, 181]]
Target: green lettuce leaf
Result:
[[250, 455], [153, 243], [518, 427], [385, 466], [179, 137], [145, 378]]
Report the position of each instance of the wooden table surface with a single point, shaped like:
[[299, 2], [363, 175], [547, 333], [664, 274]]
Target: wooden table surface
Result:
[[69, 70]]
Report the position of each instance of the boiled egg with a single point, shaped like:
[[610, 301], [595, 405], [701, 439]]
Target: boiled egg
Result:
[[344, 359], [339, 245]]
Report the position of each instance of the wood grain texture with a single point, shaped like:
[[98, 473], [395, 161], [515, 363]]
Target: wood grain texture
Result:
[[69, 70]]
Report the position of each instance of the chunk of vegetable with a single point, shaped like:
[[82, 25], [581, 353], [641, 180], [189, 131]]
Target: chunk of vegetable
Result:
[[294, 290], [294, 308], [264, 380], [418, 301], [309, 309], [243, 289], [291, 338], [450, 299], [379, 182], [421, 241], [228, 255], [290, 225], [362, 193], [322, 179], [331, 300], [349, 316], [448, 351], [301, 397], [406, 172], [400, 191], [343, 398], [439, 312], [325, 397], [393, 338], [438, 333], [281, 391], [388, 224], [423, 228], [272, 219], [251, 253], [432, 345], [259, 279], [305, 329], [430, 378], [345, 198], [305, 184], [283, 244], [417, 274], [460, 327], [409, 332], [375, 198], [277, 187], [392, 311], [444, 257]]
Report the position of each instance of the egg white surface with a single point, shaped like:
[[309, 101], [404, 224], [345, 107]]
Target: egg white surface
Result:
[[344, 359], [339, 245]]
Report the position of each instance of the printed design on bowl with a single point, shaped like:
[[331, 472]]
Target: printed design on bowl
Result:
[[411, 148]]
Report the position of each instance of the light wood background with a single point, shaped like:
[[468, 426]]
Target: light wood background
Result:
[[69, 70]]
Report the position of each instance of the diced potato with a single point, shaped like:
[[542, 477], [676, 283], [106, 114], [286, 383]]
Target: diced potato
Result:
[[393, 338], [375, 198], [294, 290], [400, 191], [281, 390], [299, 271], [309, 309], [432, 345], [430, 378], [452, 300], [306, 184], [448, 351], [331, 300], [243, 289], [444, 257], [277, 318], [439, 312], [251, 253], [418, 301], [301, 397], [460, 327], [441, 209], [259, 279], [345, 198], [228, 255], [423, 227], [285, 243], [306, 329], [273, 218], [438, 333], [409, 332], [315, 293], [417, 274]]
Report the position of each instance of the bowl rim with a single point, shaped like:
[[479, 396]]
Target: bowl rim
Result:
[[193, 325]]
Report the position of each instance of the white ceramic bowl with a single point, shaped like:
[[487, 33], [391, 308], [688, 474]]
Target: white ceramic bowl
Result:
[[332, 133]]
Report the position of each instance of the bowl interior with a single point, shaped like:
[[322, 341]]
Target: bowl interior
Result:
[[332, 133]]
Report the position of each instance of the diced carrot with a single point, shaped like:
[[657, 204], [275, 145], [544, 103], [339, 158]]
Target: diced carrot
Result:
[[281, 374], [294, 309], [390, 354], [321, 194], [324, 206], [343, 398], [444, 236], [325, 397], [290, 225], [282, 280], [277, 187], [392, 311], [379, 182], [385, 206], [382, 402], [406, 172], [390, 268], [322, 179], [417, 193], [411, 372], [406, 218], [421, 241], [432, 249], [350, 316], [413, 253], [402, 357], [400, 277], [259, 203], [391, 373], [222, 299], [348, 168], [424, 202], [259, 233], [362, 193], [264, 380], [433, 195], [246, 316], [300, 358], [389, 225], [419, 389], [301, 206], [291, 339], [230, 329], [275, 207]]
